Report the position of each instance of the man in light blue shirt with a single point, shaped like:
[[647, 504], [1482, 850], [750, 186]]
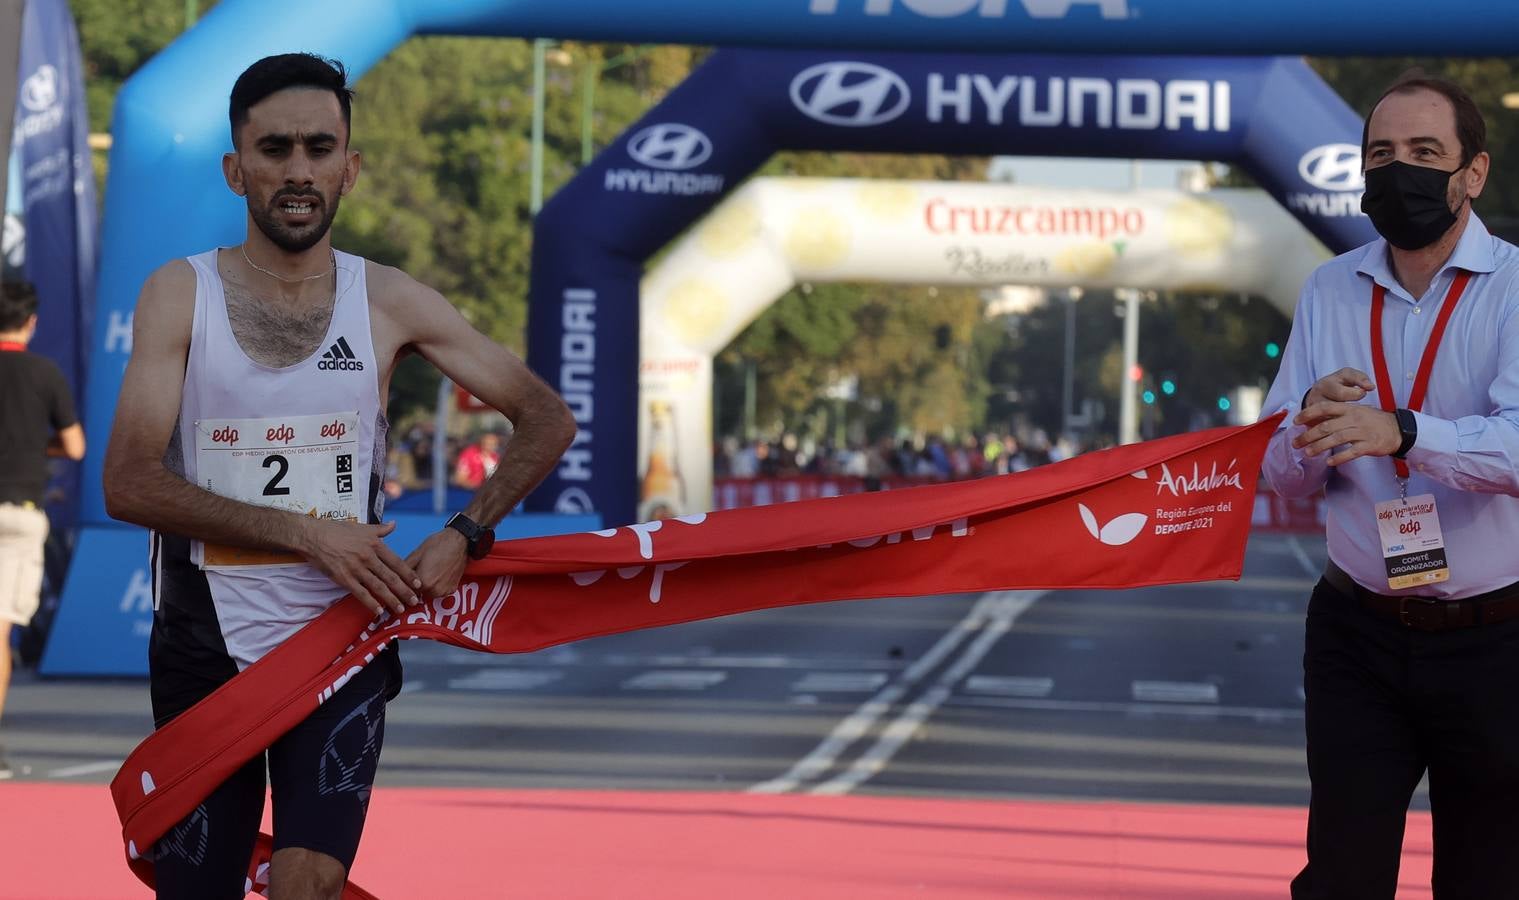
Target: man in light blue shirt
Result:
[[1412, 642]]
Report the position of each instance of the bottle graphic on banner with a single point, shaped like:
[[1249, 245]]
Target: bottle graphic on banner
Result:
[[662, 494]]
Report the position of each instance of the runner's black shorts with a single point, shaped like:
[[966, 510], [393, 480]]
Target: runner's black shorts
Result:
[[320, 774]]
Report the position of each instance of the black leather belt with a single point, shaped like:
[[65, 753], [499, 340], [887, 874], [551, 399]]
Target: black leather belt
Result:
[[1430, 613]]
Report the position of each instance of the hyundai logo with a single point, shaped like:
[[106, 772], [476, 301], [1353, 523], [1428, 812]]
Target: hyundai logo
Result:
[[854, 94], [986, 9], [573, 501], [40, 89], [1333, 167], [670, 146]]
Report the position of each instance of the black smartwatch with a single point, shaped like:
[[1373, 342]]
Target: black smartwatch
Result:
[[480, 538], [1408, 426]]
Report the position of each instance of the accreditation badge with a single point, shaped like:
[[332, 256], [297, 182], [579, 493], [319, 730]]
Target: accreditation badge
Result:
[[304, 464], [1413, 549]]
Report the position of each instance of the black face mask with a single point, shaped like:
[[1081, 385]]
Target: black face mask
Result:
[[1407, 204]]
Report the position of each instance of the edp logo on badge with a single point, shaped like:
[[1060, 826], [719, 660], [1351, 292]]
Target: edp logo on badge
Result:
[[670, 145], [853, 94]]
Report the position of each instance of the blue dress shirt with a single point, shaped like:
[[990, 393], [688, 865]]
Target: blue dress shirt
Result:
[[1467, 453]]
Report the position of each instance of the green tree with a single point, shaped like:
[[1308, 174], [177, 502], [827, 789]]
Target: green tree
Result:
[[1204, 344], [911, 350], [116, 37], [884, 335], [445, 126]]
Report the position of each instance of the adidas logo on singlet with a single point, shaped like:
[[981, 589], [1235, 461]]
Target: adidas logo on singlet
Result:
[[339, 358]]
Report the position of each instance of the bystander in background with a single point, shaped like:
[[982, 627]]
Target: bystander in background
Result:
[[37, 420]]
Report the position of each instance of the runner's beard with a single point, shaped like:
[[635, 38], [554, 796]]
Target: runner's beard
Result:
[[297, 239]]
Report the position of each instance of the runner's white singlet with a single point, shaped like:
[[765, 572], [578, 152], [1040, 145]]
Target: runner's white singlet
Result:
[[308, 437]]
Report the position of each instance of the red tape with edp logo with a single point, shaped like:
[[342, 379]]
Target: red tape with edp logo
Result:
[[1172, 510]]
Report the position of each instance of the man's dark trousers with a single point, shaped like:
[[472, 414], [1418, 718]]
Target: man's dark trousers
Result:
[[1385, 703]]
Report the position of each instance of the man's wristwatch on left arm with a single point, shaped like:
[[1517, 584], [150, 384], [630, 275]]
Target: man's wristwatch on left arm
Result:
[[1408, 426], [480, 538]]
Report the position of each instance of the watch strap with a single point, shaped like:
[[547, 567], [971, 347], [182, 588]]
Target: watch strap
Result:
[[1408, 425], [465, 526]]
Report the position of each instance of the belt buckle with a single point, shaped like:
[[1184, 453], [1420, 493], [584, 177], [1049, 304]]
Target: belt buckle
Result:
[[1407, 615]]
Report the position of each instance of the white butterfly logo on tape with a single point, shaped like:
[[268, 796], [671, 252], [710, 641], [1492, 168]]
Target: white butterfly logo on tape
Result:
[[1121, 530]]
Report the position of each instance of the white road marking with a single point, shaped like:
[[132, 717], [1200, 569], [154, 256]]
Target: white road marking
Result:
[[1010, 685], [674, 680], [854, 726], [696, 658], [505, 680], [1003, 612], [1302, 558], [1196, 710], [1252, 583], [737, 661], [714, 662], [85, 769], [1174, 692], [840, 682]]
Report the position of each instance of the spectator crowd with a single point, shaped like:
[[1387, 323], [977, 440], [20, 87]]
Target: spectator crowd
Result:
[[929, 458], [468, 461]]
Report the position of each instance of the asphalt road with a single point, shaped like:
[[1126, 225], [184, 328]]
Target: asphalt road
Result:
[[1186, 694]]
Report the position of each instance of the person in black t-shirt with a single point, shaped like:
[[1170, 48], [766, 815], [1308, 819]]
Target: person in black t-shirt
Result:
[[37, 420]]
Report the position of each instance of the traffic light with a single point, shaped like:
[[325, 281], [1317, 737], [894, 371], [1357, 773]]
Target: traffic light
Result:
[[1273, 350], [1148, 397], [1136, 372], [1224, 404], [1168, 387]]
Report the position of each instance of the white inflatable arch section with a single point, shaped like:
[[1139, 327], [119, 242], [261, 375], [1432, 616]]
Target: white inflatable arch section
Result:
[[776, 232]]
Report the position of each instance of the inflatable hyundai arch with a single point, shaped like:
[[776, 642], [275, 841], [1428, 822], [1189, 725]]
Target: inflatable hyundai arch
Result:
[[1272, 117], [775, 232]]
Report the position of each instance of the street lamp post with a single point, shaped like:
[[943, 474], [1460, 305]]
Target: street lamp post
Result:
[[535, 196], [590, 75], [1068, 381], [1128, 407]]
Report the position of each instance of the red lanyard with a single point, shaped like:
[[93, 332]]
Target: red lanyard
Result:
[[11, 346], [1426, 364]]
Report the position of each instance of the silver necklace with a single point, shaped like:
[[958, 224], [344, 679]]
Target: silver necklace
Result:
[[279, 277]]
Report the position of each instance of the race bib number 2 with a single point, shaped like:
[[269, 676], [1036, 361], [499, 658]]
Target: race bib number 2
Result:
[[304, 464]]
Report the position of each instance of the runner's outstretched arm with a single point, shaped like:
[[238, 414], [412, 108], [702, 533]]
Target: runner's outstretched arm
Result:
[[420, 318], [140, 489]]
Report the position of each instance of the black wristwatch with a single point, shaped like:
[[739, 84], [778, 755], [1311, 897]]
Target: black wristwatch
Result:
[[480, 538], [1408, 426]]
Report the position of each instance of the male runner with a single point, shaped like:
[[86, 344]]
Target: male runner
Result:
[[250, 437]]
